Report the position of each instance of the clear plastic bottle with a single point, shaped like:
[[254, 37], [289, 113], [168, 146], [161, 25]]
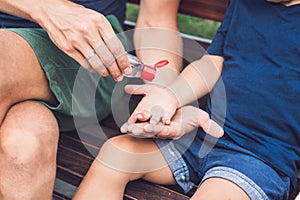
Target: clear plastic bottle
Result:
[[140, 70]]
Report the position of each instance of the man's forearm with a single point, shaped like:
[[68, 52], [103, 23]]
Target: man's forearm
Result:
[[27, 9], [33, 10], [18, 7]]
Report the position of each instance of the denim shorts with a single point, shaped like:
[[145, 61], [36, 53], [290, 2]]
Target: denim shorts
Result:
[[193, 161]]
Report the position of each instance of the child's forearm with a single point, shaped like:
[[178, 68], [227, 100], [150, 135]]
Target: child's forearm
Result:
[[156, 49], [157, 38], [197, 79]]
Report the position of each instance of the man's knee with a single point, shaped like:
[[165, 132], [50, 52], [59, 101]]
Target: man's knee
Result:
[[29, 135]]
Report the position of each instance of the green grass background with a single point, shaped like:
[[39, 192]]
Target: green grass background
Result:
[[186, 24]]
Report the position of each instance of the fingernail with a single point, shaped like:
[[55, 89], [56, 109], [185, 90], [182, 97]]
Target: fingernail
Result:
[[128, 70], [123, 130], [140, 116], [119, 79], [168, 122]]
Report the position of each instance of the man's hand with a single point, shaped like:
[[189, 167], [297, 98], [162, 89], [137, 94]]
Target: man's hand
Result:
[[184, 121], [86, 36], [158, 105]]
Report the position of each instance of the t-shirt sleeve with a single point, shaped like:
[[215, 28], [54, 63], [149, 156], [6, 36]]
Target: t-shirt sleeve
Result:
[[216, 47]]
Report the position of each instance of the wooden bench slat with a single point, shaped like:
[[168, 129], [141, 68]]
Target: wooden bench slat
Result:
[[57, 196], [68, 176], [144, 190], [212, 9]]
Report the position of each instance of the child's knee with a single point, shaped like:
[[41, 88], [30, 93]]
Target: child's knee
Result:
[[131, 155], [128, 144]]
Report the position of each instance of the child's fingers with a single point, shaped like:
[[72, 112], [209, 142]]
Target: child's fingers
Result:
[[153, 128], [143, 116], [208, 125], [138, 130], [168, 132], [137, 89], [139, 114], [157, 113], [166, 119], [213, 129]]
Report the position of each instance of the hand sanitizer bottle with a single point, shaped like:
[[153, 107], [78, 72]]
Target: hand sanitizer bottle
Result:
[[140, 70]]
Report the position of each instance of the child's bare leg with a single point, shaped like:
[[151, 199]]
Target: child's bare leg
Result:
[[123, 159], [218, 189]]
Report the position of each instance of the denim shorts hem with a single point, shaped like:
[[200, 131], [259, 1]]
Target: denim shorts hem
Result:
[[251, 188], [176, 163]]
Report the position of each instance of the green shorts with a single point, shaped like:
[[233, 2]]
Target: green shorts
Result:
[[80, 94]]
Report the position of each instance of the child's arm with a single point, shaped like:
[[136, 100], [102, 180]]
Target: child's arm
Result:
[[156, 38], [194, 82]]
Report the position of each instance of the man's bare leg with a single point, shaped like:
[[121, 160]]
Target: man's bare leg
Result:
[[21, 76], [123, 159], [28, 131], [28, 147]]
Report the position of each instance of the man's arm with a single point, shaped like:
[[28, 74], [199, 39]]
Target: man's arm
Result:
[[82, 33], [157, 38]]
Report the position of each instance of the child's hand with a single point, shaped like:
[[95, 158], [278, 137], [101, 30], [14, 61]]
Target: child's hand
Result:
[[185, 120], [158, 105]]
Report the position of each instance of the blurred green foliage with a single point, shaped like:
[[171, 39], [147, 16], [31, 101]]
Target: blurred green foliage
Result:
[[187, 24]]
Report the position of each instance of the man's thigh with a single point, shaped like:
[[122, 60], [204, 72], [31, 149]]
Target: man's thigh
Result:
[[22, 76]]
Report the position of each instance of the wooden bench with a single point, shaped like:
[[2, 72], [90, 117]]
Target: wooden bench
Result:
[[76, 150]]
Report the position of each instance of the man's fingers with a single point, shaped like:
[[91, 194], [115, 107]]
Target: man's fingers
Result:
[[109, 61], [115, 47], [124, 128]]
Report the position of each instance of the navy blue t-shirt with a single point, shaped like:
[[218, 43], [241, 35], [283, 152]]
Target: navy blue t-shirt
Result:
[[106, 7], [260, 42]]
